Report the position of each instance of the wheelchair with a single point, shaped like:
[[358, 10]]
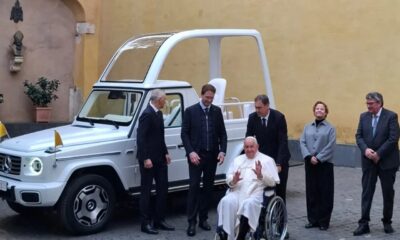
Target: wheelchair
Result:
[[272, 222]]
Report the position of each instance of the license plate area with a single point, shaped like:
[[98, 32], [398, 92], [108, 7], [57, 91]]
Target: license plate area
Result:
[[3, 186]]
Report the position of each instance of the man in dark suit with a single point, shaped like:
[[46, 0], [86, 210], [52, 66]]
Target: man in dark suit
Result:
[[377, 137], [205, 140], [270, 129], [153, 160]]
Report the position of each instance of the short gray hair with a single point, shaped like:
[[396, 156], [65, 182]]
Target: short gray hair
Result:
[[156, 94], [375, 96], [253, 139]]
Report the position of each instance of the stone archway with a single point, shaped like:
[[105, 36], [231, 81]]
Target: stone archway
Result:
[[87, 13], [85, 71], [52, 48]]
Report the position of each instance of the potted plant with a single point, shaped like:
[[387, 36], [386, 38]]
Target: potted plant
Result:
[[42, 93]]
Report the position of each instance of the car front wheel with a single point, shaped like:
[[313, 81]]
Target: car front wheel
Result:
[[87, 204]]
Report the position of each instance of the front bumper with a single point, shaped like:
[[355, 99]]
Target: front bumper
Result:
[[31, 194], [8, 195]]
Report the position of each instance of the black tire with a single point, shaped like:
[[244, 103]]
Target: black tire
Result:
[[276, 219], [23, 210], [87, 204]]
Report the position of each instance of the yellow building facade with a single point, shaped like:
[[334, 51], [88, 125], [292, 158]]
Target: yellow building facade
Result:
[[334, 50]]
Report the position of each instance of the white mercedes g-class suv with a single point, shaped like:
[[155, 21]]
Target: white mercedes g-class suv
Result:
[[83, 178]]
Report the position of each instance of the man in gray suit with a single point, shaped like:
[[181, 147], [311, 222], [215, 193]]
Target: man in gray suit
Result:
[[377, 137]]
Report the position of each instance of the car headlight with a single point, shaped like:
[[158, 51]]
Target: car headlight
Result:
[[36, 166]]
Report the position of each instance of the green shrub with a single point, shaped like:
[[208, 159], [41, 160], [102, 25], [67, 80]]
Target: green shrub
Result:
[[42, 92]]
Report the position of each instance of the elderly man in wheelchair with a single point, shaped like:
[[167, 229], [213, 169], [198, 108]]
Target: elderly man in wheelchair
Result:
[[250, 209]]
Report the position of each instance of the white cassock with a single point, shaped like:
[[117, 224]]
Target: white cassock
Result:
[[245, 198]]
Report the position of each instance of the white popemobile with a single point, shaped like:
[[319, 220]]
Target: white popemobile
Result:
[[97, 165]]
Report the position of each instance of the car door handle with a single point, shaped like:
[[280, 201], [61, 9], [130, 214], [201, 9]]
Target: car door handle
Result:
[[180, 146]]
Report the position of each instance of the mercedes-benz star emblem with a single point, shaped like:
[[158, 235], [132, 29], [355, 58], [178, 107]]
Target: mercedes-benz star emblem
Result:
[[7, 164]]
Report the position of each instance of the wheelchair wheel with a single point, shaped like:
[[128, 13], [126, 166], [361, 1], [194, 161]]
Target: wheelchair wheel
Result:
[[276, 219]]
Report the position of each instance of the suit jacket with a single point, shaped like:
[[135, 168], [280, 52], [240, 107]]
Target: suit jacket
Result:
[[191, 129], [273, 140], [150, 137], [385, 141]]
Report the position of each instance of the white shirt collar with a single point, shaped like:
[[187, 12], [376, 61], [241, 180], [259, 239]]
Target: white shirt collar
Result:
[[154, 108], [379, 113], [266, 117], [203, 106]]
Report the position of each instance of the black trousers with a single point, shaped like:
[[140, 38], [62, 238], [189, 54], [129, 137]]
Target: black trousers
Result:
[[281, 187], [198, 200], [319, 192], [159, 172], [369, 178]]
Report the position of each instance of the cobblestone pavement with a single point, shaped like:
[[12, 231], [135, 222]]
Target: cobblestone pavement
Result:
[[347, 208], [126, 223]]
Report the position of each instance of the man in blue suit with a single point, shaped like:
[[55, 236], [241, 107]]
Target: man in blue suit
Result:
[[153, 160], [205, 140], [377, 137]]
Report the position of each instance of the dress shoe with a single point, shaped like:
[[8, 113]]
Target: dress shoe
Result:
[[147, 228], [162, 225], [204, 225], [311, 225], [222, 234], [362, 229], [387, 227], [191, 230], [323, 228]]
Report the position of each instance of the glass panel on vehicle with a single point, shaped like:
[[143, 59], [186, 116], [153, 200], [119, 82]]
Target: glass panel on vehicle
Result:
[[241, 65], [113, 106], [188, 61], [134, 59], [172, 111]]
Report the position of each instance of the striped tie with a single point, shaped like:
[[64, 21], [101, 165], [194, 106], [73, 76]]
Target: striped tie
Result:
[[374, 123]]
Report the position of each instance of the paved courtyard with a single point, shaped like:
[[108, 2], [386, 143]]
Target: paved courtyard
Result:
[[126, 223]]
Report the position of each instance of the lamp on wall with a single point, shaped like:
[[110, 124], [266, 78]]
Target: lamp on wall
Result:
[[16, 12]]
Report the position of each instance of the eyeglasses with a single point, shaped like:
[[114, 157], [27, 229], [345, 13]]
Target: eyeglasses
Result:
[[371, 103]]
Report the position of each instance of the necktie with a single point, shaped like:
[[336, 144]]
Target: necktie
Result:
[[206, 111], [374, 123], [264, 122]]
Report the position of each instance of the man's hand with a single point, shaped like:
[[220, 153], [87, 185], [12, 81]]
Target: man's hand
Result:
[[314, 160], [236, 177], [194, 158], [279, 168], [257, 170], [369, 153], [167, 159], [221, 158], [148, 163], [375, 157]]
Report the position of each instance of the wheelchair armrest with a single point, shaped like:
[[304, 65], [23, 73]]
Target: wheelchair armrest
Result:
[[268, 188], [269, 191]]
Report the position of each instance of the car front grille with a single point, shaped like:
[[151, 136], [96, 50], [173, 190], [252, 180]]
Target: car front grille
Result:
[[10, 164]]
